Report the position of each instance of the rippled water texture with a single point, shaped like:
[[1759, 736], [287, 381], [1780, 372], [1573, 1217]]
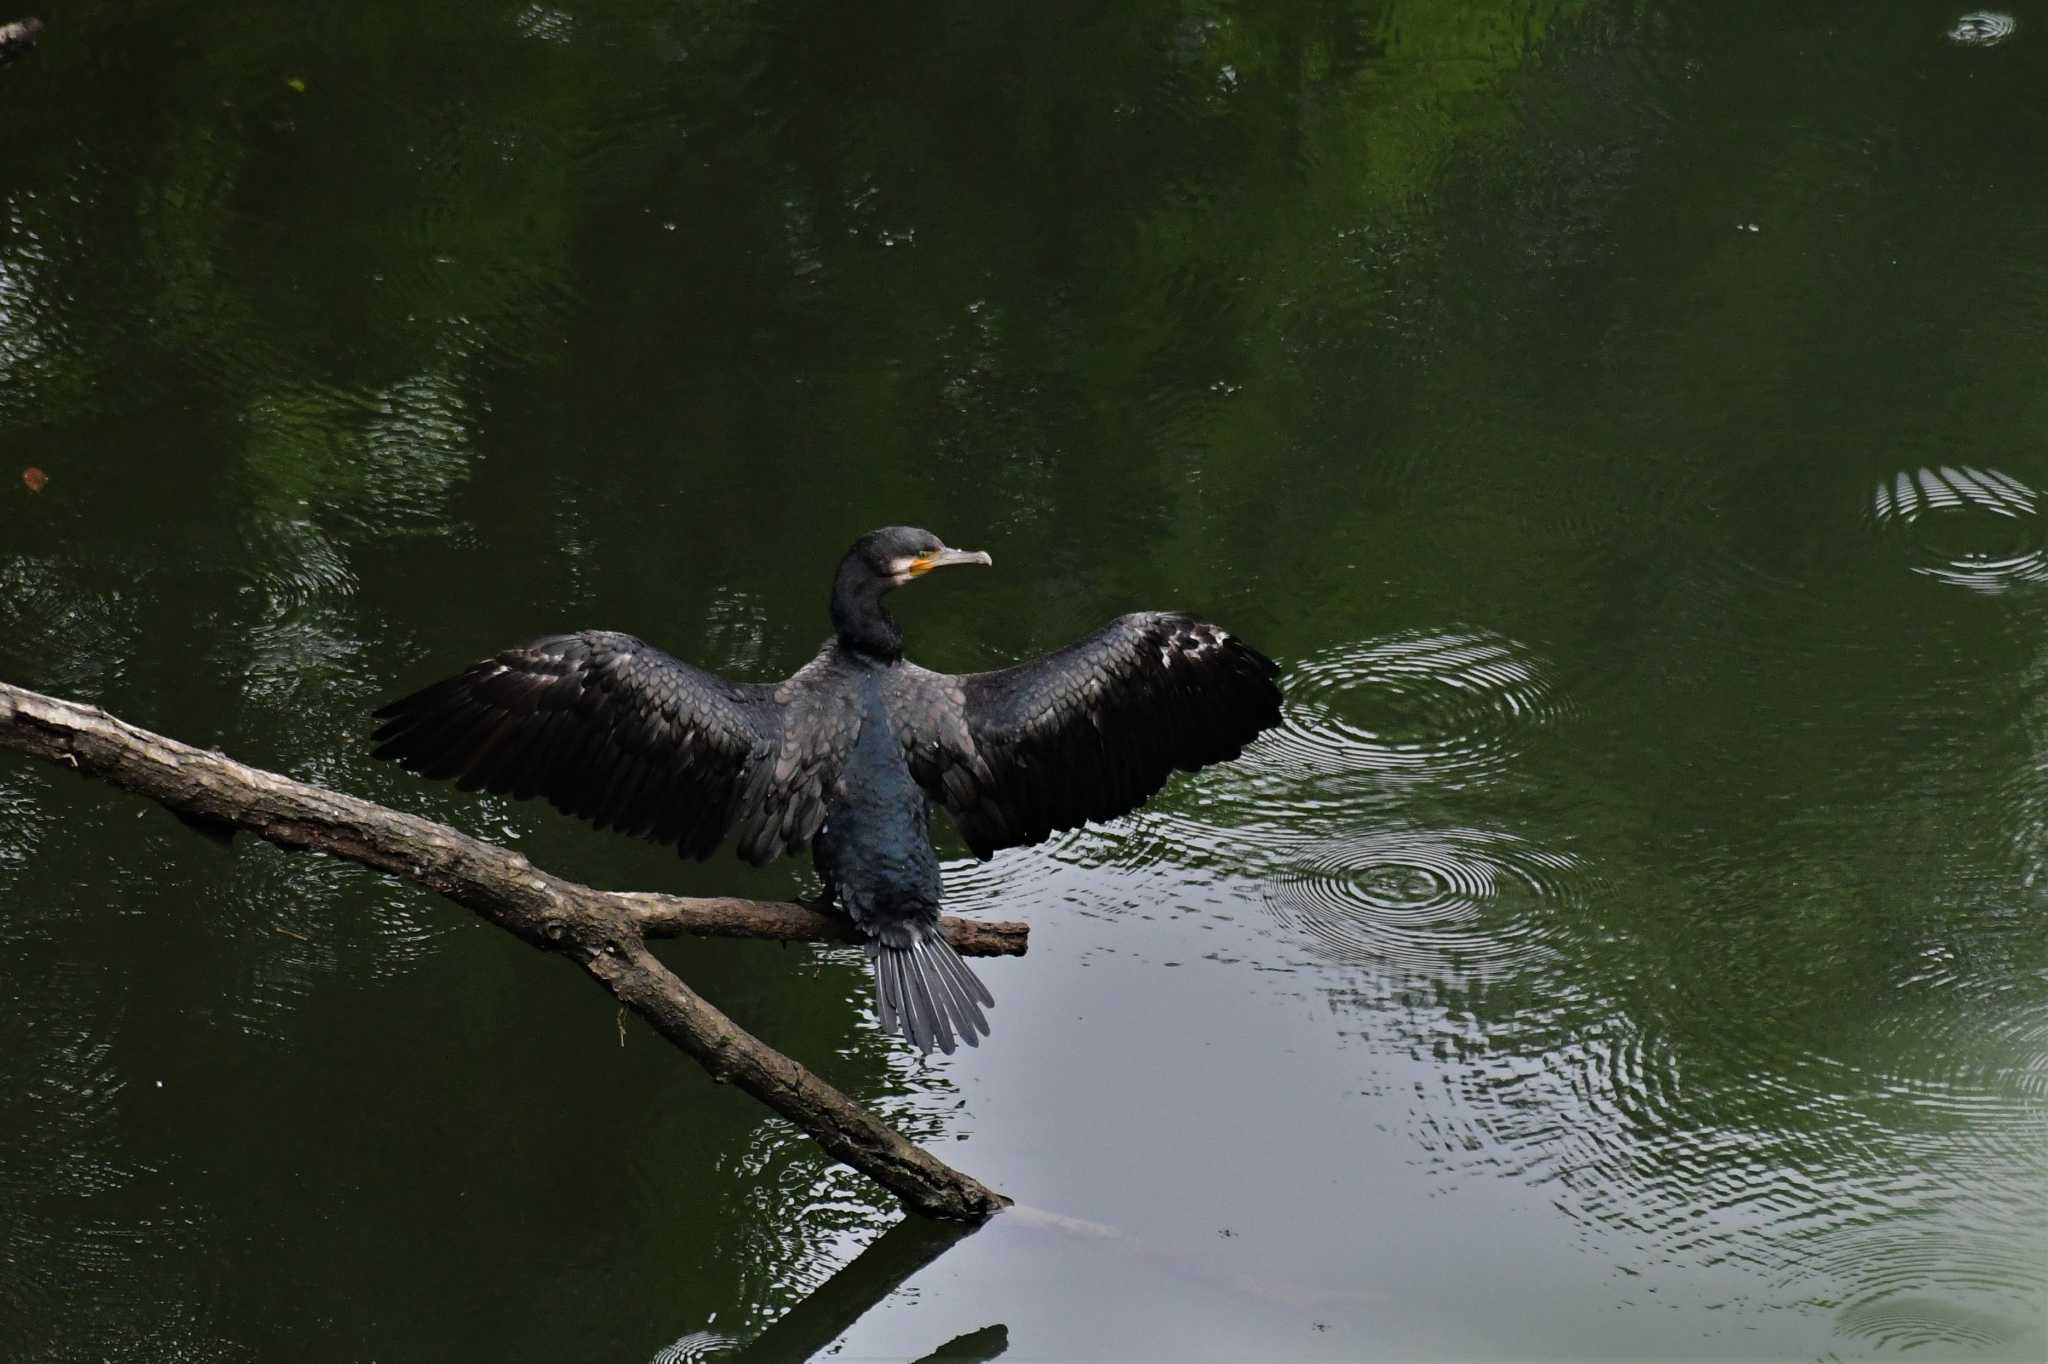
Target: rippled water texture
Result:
[[1425, 899], [1977, 528], [1446, 709], [1983, 28]]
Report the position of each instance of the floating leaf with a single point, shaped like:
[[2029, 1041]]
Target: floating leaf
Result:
[[297, 83], [35, 478]]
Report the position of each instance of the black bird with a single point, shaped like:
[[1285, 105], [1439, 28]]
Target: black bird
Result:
[[848, 756]]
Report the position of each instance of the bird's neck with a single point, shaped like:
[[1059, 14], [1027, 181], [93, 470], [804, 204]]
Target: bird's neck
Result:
[[862, 623]]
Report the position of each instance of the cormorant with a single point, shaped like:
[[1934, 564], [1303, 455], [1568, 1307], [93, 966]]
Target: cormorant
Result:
[[848, 755]]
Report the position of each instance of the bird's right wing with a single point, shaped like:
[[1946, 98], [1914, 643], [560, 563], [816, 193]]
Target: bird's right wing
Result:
[[615, 731], [1089, 732]]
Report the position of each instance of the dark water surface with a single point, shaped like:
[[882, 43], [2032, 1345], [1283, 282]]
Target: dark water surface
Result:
[[1625, 422]]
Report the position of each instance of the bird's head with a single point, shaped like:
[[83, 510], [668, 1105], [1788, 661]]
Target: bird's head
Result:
[[879, 562], [896, 554]]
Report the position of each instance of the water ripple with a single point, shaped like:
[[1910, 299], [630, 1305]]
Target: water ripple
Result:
[[307, 920], [697, 1345], [1427, 900], [384, 459], [60, 633], [1039, 882], [65, 1159], [1974, 527], [22, 825], [1898, 1279], [1365, 724], [1911, 1321], [1982, 29], [26, 318], [545, 23]]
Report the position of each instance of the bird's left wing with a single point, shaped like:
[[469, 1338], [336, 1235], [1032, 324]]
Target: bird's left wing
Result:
[[615, 731], [1089, 732]]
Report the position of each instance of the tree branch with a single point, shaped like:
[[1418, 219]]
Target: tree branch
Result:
[[720, 916], [603, 932]]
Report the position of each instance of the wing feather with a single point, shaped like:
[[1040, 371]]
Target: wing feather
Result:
[[614, 731], [1087, 733]]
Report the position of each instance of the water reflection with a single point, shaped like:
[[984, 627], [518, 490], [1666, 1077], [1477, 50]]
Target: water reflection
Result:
[[828, 1311]]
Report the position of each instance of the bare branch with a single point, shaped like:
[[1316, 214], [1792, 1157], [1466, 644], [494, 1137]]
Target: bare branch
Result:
[[604, 932], [719, 916]]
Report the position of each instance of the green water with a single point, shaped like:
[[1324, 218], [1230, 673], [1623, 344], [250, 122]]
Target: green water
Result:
[[1635, 942]]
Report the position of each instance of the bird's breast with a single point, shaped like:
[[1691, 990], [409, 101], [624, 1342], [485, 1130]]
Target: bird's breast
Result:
[[875, 845]]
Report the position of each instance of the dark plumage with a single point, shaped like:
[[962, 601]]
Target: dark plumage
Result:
[[849, 755]]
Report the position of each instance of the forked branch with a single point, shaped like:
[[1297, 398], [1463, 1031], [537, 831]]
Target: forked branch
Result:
[[604, 932]]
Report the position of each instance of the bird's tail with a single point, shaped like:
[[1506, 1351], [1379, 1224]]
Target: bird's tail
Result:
[[924, 991]]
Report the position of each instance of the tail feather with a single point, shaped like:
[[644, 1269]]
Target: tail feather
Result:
[[928, 994], [952, 1009], [887, 992], [971, 987], [927, 1017], [962, 990]]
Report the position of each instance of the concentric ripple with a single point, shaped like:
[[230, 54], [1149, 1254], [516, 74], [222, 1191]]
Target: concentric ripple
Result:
[[1446, 705], [1974, 527], [1910, 1322], [1982, 29], [1426, 900]]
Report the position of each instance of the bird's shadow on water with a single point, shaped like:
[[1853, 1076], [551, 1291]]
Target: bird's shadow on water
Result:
[[831, 1310]]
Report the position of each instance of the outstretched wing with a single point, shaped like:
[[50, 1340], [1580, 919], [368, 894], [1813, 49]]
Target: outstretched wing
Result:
[[615, 731], [1090, 732]]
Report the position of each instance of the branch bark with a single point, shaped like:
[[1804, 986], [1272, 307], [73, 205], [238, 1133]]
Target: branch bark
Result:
[[721, 916], [603, 932]]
